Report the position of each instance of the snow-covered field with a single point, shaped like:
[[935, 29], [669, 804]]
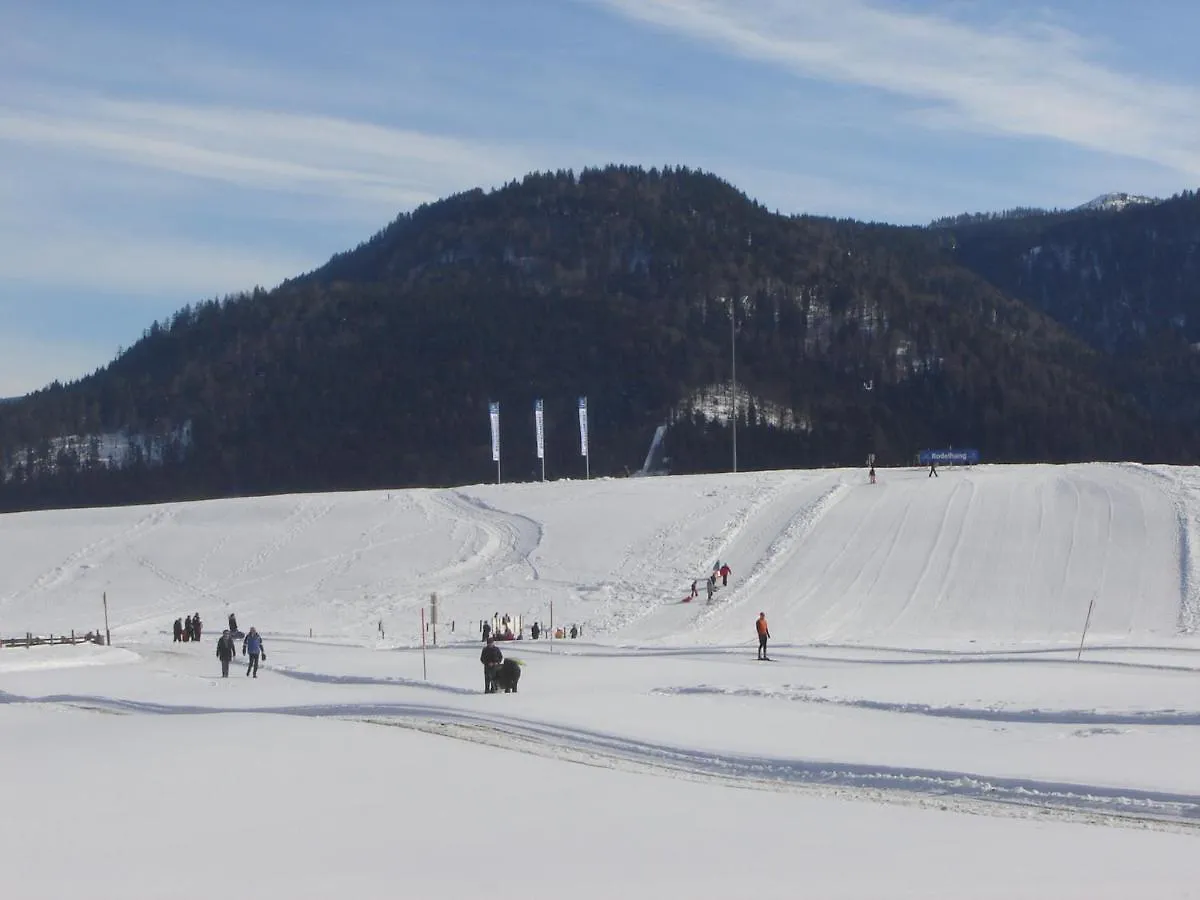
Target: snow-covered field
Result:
[[924, 729]]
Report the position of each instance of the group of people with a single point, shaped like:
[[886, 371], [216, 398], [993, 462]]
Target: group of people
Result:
[[538, 630], [508, 628], [720, 570], [188, 629], [501, 631], [252, 649]]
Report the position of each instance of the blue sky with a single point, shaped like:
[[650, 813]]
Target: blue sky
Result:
[[153, 154]]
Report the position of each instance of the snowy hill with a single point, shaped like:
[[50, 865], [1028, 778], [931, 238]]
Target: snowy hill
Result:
[[1118, 201], [999, 553], [927, 685]]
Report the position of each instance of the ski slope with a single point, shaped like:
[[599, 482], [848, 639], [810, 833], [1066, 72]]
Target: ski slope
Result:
[[994, 554], [927, 686]]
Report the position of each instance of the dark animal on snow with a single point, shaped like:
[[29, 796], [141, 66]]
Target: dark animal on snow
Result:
[[508, 675]]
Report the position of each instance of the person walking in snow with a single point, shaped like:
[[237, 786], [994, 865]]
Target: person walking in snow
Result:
[[933, 470], [871, 475], [177, 629], [225, 652], [725, 573], [535, 630], [492, 660], [196, 626], [252, 648], [710, 586], [763, 633], [233, 624], [189, 633]]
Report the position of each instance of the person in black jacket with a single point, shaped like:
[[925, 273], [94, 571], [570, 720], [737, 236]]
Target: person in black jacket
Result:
[[178, 630], [492, 660], [196, 627], [225, 652], [189, 633]]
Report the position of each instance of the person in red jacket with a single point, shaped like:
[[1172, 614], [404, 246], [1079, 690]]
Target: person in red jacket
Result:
[[763, 633], [725, 573]]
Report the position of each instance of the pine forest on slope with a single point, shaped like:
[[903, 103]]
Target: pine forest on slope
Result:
[[851, 338]]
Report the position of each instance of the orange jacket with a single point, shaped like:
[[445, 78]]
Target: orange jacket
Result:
[[761, 625]]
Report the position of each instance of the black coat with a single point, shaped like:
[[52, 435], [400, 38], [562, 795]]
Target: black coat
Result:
[[491, 655], [224, 648]]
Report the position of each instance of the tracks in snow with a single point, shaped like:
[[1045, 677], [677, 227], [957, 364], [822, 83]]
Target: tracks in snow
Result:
[[945, 789]]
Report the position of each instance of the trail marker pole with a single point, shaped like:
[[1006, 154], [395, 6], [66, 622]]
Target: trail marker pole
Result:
[[107, 635], [433, 617], [424, 669], [551, 626], [1086, 622]]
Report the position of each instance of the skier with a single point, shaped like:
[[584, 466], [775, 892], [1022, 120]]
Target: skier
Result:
[[492, 659], [725, 573], [763, 633], [177, 628], [225, 652], [253, 647], [189, 632]]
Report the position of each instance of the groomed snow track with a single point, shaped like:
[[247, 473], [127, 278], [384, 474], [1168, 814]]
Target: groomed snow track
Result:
[[939, 788]]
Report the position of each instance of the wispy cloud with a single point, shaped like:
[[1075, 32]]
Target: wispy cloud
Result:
[[263, 149], [1035, 81]]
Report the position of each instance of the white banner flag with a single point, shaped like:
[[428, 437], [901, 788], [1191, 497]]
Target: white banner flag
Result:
[[494, 412], [541, 432], [583, 440]]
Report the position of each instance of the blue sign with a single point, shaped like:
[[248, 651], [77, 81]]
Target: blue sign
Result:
[[949, 457]]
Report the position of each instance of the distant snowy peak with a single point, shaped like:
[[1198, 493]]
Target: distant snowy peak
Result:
[[1118, 201]]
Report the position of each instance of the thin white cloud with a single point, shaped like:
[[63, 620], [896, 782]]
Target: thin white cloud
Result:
[[1031, 81], [261, 149]]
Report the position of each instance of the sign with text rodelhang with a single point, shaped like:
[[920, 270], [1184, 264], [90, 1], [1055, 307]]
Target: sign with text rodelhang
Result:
[[949, 457]]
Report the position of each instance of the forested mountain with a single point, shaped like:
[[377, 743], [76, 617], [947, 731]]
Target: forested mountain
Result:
[[377, 368], [1124, 276]]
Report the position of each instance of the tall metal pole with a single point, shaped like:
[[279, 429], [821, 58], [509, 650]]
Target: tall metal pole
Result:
[[424, 668], [733, 370], [107, 633]]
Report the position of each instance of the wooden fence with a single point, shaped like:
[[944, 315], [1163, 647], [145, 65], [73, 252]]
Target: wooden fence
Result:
[[37, 640]]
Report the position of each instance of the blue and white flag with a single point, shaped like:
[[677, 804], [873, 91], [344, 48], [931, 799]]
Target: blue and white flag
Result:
[[494, 413], [539, 427], [583, 436]]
